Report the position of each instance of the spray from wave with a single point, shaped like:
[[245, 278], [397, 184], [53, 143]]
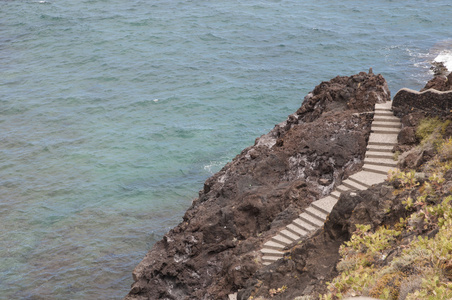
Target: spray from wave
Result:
[[445, 57]]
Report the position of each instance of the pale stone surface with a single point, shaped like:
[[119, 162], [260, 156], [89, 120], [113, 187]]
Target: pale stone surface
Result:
[[381, 154], [281, 240], [383, 139], [388, 162], [311, 220], [316, 213], [393, 124], [354, 185]]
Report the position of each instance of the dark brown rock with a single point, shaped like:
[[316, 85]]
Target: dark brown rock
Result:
[[407, 136], [214, 250], [430, 102], [441, 82]]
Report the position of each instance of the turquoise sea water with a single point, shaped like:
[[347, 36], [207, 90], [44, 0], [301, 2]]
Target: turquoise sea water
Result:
[[113, 114]]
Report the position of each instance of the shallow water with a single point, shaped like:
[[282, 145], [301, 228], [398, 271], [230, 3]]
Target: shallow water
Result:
[[113, 114]]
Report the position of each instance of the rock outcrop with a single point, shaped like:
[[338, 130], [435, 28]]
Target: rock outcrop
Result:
[[434, 101], [306, 268], [214, 250]]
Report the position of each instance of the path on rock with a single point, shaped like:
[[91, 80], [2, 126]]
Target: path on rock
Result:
[[378, 161]]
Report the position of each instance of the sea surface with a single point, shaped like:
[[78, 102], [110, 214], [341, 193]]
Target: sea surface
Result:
[[113, 113]]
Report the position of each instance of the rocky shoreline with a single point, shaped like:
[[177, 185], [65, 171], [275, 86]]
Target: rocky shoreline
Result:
[[214, 251]]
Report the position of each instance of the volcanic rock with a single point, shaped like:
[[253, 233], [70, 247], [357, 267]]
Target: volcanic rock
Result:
[[214, 250]]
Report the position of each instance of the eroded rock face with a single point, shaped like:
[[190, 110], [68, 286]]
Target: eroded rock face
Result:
[[214, 250]]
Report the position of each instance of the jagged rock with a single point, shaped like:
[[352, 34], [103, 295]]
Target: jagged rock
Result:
[[213, 251], [441, 82]]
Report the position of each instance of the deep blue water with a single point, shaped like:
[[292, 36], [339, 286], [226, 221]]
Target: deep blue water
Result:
[[113, 114]]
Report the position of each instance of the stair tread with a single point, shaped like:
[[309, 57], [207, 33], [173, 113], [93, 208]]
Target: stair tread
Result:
[[355, 185], [389, 162], [298, 230], [273, 245], [316, 212], [290, 235], [311, 220], [303, 224], [381, 129], [326, 204], [384, 105], [272, 252], [281, 240], [383, 139], [368, 178], [377, 169], [380, 148], [392, 124], [342, 188], [335, 194], [387, 154], [385, 118]]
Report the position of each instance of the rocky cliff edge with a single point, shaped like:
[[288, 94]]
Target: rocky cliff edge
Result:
[[214, 250]]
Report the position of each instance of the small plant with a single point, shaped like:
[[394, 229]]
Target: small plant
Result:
[[277, 291], [427, 126], [406, 180]]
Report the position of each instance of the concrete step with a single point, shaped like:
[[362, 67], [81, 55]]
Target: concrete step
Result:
[[389, 162], [378, 129], [335, 194], [272, 252], [325, 204], [353, 185], [385, 118], [383, 112], [274, 246], [382, 108], [384, 105], [290, 235], [232, 296], [394, 124], [377, 169], [303, 225], [297, 230], [268, 260], [382, 139], [358, 182], [380, 148], [311, 220], [281, 240], [316, 213], [380, 154], [342, 188], [368, 178]]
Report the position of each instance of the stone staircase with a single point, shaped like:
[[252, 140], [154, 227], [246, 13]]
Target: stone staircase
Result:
[[378, 161]]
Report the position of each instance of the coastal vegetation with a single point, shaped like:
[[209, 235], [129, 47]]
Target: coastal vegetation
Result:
[[412, 258]]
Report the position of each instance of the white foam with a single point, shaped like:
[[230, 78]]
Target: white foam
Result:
[[445, 57]]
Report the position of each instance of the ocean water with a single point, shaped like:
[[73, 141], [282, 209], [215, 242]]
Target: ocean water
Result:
[[113, 113]]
